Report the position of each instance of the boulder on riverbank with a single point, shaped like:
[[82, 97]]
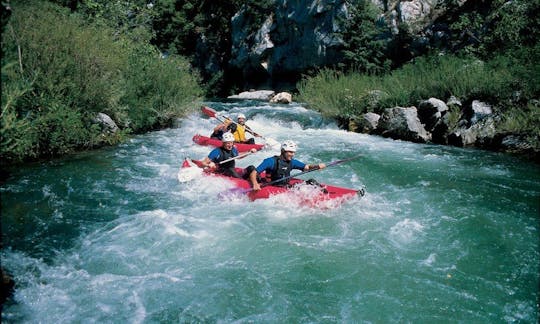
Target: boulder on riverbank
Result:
[[282, 97], [108, 125], [471, 125], [264, 95], [403, 123]]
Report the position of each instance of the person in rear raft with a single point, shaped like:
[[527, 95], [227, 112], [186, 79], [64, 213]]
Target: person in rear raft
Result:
[[241, 129], [279, 167], [219, 130], [225, 152]]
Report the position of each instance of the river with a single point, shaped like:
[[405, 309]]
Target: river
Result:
[[443, 234]]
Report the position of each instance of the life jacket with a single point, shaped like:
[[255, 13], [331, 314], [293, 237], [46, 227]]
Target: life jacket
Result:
[[217, 134], [224, 155], [282, 169], [240, 133]]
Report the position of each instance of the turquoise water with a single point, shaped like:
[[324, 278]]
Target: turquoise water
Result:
[[443, 234]]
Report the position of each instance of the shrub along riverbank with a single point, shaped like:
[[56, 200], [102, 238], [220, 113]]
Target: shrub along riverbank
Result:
[[59, 71], [510, 84]]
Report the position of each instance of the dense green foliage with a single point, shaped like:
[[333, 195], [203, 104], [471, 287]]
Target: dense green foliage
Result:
[[59, 71], [182, 26], [497, 26]]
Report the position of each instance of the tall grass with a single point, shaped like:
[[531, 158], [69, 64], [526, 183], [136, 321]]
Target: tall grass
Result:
[[524, 121], [59, 71], [345, 95]]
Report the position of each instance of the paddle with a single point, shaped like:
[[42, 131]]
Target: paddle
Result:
[[308, 171], [237, 157], [188, 171], [212, 113], [191, 170], [294, 175]]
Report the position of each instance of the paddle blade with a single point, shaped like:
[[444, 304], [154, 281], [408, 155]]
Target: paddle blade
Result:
[[232, 193], [361, 192], [271, 142], [208, 111], [188, 171], [188, 174]]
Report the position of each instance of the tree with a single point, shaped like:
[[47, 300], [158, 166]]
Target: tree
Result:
[[364, 46]]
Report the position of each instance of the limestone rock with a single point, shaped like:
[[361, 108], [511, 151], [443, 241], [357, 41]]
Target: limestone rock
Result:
[[430, 112], [403, 123], [282, 97], [254, 95], [106, 122]]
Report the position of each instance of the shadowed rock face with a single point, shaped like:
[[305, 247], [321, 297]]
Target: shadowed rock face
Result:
[[305, 34], [297, 36]]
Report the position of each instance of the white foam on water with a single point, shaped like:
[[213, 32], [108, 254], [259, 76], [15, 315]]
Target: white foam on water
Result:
[[406, 231]]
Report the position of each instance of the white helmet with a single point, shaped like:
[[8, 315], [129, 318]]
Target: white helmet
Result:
[[289, 146], [227, 137], [241, 116]]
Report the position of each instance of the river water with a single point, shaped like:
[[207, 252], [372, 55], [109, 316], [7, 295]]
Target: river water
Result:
[[442, 234]]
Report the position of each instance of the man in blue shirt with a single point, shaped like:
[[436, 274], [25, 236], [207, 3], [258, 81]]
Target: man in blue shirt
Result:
[[225, 152], [279, 167]]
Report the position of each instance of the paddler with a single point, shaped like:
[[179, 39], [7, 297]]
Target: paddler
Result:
[[280, 166], [225, 152], [241, 128], [227, 125]]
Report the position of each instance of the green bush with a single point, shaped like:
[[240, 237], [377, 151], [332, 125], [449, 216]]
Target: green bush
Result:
[[157, 89], [59, 71], [336, 94], [60, 130], [19, 136]]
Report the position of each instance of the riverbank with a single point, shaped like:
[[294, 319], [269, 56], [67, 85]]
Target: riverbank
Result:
[[444, 100]]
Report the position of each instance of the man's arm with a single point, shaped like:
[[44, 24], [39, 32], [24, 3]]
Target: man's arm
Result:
[[308, 167], [207, 163], [266, 164], [249, 130], [253, 179]]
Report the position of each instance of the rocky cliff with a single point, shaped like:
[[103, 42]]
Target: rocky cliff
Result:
[[301, 35]]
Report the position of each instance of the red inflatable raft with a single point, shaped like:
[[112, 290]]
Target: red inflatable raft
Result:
[[316, 194], [241, 147]]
